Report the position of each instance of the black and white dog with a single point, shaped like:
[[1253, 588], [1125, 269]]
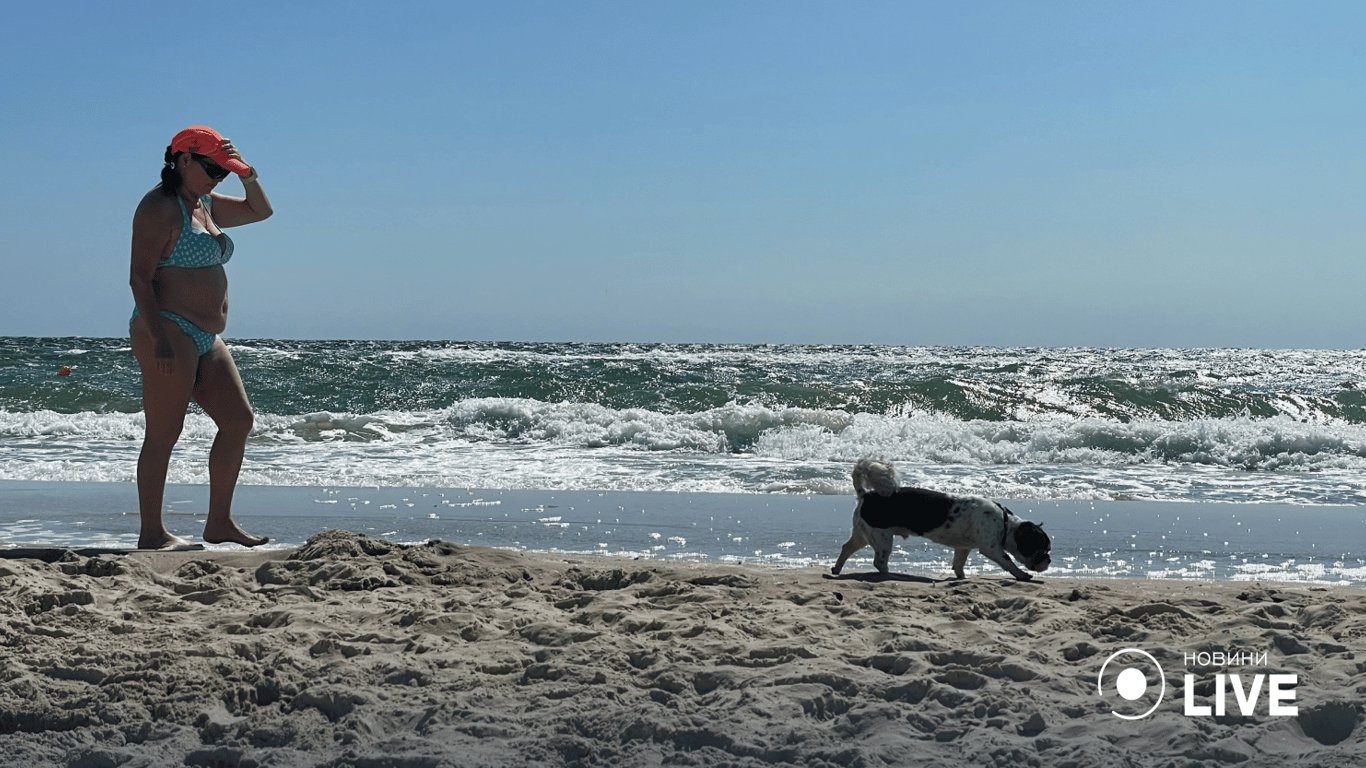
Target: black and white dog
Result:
[[885, 509]]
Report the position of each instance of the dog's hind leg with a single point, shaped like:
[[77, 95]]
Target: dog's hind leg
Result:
[[960, 559], [856, 542]]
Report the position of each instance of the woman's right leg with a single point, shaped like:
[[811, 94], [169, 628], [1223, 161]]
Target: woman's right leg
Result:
[[165, 398]]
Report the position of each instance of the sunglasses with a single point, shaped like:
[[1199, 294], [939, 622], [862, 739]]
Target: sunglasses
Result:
[[214, 170]]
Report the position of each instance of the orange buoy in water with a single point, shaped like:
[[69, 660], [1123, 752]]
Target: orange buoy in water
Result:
[[65, 371]]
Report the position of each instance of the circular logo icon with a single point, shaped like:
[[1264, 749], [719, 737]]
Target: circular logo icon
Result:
[[1131, 683]]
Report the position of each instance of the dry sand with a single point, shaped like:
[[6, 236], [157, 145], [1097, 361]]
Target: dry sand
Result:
[[355, 652]]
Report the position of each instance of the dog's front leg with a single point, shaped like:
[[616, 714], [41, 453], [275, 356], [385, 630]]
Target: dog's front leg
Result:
[[1002, 559], [882, 543], [856, 542]]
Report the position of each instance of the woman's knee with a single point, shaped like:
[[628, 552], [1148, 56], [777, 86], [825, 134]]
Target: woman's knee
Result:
[[237, 421], [159, 442], [163, 432]]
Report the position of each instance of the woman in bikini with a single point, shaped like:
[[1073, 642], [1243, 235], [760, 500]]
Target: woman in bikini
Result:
[[181, 295]]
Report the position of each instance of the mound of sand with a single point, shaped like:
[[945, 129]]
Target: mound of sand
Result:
[[351, 651]]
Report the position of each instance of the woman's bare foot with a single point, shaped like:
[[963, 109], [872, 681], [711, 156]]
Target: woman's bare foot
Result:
[[222, 534], [164, 541]]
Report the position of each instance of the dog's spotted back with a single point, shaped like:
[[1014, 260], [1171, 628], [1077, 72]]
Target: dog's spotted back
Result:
[[916, 509]]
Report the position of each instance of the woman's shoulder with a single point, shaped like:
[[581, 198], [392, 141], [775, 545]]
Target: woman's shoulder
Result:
[[156, 208]]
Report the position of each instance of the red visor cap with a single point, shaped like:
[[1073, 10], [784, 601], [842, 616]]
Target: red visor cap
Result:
[[203, 140]]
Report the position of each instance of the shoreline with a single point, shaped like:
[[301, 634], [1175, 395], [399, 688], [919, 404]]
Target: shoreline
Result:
[[351, 650], [1213, 542]]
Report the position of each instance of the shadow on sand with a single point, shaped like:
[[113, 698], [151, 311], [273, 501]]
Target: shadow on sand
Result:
[[874, 576]]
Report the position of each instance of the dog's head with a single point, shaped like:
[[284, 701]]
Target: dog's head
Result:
[[1032, 546]]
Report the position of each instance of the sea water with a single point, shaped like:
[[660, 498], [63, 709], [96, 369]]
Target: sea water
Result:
[[1278, 430]]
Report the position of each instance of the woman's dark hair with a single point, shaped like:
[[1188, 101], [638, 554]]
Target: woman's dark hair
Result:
[[170, 175]]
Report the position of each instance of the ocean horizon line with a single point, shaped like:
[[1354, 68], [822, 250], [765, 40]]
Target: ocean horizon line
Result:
[[230, 337]]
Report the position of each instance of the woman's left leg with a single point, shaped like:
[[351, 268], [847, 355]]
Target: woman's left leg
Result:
[[219, 391]]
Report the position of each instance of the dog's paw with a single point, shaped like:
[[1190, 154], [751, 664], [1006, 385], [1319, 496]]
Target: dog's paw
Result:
[[1024, 577]]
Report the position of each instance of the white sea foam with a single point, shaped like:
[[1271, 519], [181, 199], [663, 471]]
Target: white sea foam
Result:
[[1224, 425], [523, 443]]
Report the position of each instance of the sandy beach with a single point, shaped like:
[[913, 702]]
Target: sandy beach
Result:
[[352, 651]]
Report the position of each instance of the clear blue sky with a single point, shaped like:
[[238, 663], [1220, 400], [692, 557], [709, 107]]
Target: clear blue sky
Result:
[[1023, 173]]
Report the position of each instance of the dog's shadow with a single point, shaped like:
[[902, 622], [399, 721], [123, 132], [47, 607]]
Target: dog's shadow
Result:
[[875, 577]]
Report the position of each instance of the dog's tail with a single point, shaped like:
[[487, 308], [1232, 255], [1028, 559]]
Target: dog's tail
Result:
[[877, 475]]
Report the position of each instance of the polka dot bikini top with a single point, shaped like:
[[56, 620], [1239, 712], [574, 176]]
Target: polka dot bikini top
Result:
[[196, 248]]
